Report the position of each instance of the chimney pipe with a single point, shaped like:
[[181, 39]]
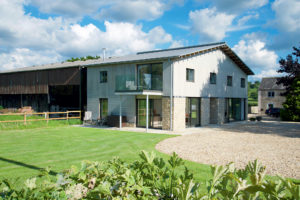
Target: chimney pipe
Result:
[[103, 51]]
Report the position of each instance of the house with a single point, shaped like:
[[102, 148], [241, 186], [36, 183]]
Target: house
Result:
[[51, 87], [269, 94], [170, 89]]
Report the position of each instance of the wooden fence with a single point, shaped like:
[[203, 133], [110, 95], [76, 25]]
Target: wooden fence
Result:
[[46, 116]]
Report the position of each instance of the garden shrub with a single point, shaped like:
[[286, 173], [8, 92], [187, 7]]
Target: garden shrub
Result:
[[1, 108], [151, 177]]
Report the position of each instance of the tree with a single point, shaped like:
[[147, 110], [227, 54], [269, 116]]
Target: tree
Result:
[[291, 67], [83, 58]]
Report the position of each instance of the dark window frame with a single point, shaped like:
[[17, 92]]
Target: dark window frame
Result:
[[103, 78], [229, 81], [188, 78], [271, 94], [211, 80], [243, 82]]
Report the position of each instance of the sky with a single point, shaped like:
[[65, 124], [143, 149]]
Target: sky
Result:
[[35, 32]]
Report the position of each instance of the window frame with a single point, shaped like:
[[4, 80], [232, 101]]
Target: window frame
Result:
[[243, 83], [102, 80], [229, 81], [271, 94], [213, 74], [187, 77]]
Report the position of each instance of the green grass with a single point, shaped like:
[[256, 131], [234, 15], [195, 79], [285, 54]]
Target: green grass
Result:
[[33, 124], [23, 151]]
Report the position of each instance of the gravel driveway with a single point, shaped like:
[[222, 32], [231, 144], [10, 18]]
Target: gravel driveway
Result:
[[276, 144]]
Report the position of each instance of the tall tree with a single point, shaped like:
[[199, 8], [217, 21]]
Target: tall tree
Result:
[[291, 68]]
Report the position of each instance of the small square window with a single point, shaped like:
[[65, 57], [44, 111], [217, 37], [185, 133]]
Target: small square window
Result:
[[190, 74], [271, 94], [243, 83], [229, 80], [213, 78], [103, 76]]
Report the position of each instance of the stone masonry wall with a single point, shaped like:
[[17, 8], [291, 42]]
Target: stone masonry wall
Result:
[[205, 111], [166, 113]]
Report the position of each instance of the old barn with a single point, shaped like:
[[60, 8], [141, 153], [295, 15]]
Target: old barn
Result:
[[53, 87]]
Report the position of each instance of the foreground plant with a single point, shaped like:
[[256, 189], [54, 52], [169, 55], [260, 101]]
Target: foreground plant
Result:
[[151, 178]]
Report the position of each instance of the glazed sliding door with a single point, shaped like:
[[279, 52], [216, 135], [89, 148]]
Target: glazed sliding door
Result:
[[192, 112]]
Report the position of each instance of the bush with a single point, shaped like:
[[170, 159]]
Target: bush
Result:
[[1, 108], [285, 115], [252, 119], [151, 178], [259, 118]]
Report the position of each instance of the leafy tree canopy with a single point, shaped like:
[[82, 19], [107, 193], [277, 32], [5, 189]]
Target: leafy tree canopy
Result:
[[291, 68], [83, 58]]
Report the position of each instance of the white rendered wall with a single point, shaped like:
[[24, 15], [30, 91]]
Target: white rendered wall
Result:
[[217, 62]]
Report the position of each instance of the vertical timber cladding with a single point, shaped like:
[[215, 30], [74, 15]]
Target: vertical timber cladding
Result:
[[32, 88]]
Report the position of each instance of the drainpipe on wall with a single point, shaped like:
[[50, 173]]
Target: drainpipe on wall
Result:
[[120, 119], [171, 98]]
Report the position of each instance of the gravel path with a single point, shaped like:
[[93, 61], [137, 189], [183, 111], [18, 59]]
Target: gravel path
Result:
[[275, 144]]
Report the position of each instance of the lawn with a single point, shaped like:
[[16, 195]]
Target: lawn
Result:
[[23, 152]]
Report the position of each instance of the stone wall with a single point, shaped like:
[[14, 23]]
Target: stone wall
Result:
[[178, 113], [213, 110], [264, 100], [205, 111], [166, 113]]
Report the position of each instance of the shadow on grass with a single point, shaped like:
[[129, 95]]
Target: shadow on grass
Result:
[[53, 173]]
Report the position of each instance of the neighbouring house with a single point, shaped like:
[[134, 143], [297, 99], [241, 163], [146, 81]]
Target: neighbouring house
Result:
[[170, 89], [269, 94], [51, 87]]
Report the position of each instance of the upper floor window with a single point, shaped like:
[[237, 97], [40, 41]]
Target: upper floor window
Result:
[[103, 76], [271, 94], [150, 76], [243, 83], [190, 74], [213, 78], [229, 80]]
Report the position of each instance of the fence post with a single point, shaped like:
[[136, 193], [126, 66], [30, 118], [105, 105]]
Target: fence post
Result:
[[67, 115], [80, 115], [47, 117], [25, 118]]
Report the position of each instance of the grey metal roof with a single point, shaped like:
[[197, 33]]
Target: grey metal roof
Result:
[[147, 56], [269, 83]]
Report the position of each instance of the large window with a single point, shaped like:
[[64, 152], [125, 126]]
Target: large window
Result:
[[103, 108], [213, 78], [150, 76], [190, 75], [229, 80], [103, 76], [242, 83]]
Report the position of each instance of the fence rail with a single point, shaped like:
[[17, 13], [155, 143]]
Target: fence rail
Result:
[[46, 116]]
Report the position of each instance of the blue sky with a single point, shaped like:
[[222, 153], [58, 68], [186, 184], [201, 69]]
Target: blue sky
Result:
[[34, 32]]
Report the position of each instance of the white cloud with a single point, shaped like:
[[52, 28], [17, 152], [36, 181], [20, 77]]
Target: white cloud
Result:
[[22, 57], [116, 10], [234, 6], [22, 35], [210, 24], [255, 54], [129, 10], [287, 15], [243, 20], [287, 22]]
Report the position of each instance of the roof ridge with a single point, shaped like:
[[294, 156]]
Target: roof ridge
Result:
[[178, 48]]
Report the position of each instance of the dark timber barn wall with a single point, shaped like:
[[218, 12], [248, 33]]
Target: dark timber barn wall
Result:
[[44, 90]]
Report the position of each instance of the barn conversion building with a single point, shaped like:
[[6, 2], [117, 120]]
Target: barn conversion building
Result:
[[169, 89], [53, 87]]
